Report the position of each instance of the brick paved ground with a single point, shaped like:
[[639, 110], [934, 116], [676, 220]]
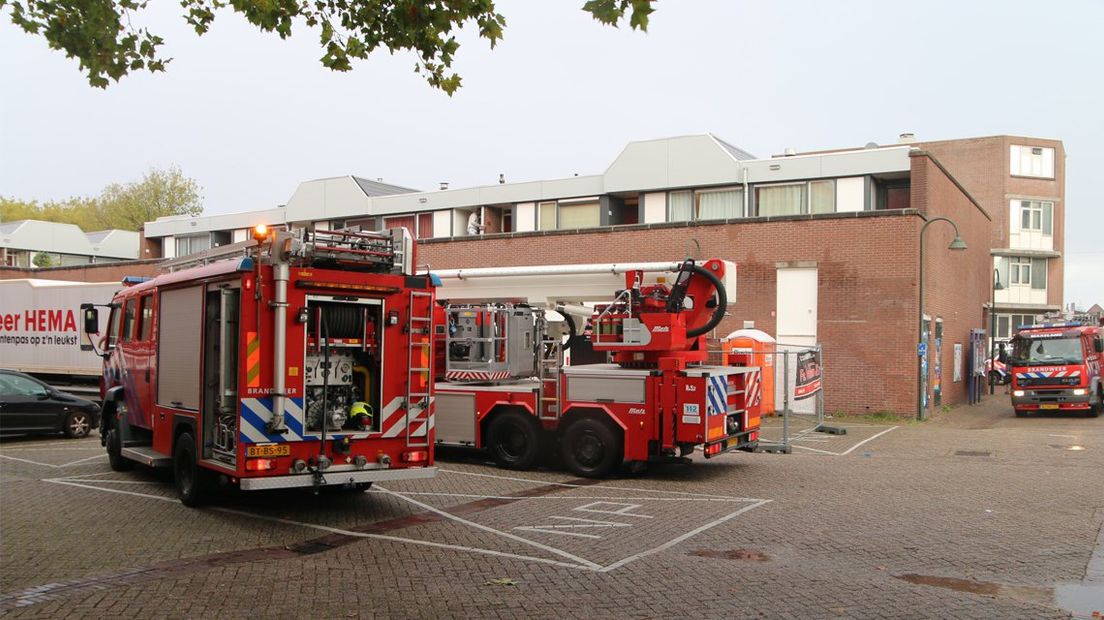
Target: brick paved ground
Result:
[[996, 506]]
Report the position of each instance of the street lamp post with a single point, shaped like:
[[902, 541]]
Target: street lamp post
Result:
[[956, 244], [993, 331]]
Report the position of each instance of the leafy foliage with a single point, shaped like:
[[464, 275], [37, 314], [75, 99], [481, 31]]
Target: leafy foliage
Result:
[[42, 259], [99, 33], [119, 205]]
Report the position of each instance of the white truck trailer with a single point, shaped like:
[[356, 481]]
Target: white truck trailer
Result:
[[41, 329]]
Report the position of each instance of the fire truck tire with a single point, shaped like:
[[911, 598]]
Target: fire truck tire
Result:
[[513, 439], [193, 483], [115, 457], [1021, 413], [591, 448], [77, 425]]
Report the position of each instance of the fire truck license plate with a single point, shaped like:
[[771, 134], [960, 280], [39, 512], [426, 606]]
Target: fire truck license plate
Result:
[[1048, 406], [267, 451]]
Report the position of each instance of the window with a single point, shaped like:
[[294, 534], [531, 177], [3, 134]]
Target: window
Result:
[[680, 206], [128, 319], [585, 215], [780, 199], [1031, 161], [546, 217], [720, 204], [1036, 215], [221, 237], [822, 196], [146, 313], [14, 385], [1007, 324], [192, 243], [1021, 271], [113, 329]]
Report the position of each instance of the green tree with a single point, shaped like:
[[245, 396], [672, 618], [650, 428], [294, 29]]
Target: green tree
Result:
[[99, 34], [159, 193], [119, 205], [42, 259]]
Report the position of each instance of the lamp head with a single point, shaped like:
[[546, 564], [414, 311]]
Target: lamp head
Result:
[[957, 244]]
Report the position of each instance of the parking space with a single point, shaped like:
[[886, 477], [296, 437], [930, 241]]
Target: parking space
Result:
[[805, 436], [879, 522]]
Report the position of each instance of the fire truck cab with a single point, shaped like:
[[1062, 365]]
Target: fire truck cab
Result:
[[1056, 367], [297, 359]]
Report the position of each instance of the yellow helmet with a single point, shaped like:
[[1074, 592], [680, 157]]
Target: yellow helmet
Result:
[[361, 413]]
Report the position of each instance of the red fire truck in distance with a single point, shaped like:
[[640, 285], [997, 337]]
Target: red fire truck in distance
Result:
[[297, 359], [502, 384], [1056, 367]]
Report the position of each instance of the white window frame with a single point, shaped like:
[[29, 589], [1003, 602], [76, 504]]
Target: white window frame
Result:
[[1033, 208], [1031, 161], [1019, 269]]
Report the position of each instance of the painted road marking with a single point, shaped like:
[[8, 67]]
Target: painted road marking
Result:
[[617, 506]]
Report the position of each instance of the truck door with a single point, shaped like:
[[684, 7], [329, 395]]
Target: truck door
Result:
[[141, 355], [135, 372]]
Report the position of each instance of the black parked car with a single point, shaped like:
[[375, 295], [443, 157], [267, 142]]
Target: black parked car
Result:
[[28, 405]]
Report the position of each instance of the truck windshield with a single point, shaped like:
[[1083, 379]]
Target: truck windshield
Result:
[[1027, 351]]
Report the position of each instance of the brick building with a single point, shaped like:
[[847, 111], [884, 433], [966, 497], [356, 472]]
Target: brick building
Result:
[[826, 243]]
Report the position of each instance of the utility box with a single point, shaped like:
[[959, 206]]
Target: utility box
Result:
[[753, 347]]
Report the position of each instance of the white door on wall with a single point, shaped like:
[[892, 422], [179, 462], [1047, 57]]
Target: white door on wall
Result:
[[797, 305]]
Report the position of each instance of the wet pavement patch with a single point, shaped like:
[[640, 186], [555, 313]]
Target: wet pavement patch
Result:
[[731, 554], [1027, 594]]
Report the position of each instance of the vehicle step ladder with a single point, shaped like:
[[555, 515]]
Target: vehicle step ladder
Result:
[[419, 357], [551, 359]]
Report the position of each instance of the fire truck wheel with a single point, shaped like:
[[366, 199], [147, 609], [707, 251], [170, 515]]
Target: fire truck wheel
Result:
[[77, 425], [514, 440], [193, 483], [590, 448], [1021, 413], [114, 452]]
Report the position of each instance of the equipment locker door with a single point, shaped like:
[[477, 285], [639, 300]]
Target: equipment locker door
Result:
[[797, 306]]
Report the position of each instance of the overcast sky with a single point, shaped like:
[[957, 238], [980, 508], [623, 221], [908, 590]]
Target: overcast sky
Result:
[[250, 116]]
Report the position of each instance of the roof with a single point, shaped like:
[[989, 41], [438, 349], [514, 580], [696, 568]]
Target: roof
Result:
[[662, 164], [379, 188], [58, 238]]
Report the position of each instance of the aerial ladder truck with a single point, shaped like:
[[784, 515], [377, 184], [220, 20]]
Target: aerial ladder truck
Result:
[[503, 384]]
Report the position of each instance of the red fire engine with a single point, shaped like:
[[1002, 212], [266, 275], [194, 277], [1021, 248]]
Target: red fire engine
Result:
[[502, 385], [1056, 367], [297, 359]]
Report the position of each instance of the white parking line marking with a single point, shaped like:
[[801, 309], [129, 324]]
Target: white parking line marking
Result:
[[599, 486], [12, 458], [486, 528], [98, 456], [576, 562], [574, 497], [686, 536], [871, 438], [626, 510], [325, 528]]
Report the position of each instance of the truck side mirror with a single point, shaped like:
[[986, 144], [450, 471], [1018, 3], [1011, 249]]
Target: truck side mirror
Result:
[[91, 326], [1003, 356], [1098, 345], [91, 319]]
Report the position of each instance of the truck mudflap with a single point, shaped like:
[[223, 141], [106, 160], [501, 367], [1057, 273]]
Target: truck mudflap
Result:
[[336, 478], [747, 441]]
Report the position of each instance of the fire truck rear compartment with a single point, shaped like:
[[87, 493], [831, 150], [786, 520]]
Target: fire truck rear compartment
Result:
[[341, 365]]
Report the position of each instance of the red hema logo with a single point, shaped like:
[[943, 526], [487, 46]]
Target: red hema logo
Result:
[[40, 321]]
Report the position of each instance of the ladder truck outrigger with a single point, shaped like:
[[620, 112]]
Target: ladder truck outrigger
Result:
[[502, 383], [295, 359]]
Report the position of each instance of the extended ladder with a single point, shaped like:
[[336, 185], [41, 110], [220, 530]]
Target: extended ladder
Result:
[[419, 357]]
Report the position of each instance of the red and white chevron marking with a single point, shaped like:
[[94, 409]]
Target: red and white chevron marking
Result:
[[476, 375], [754, 388]]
